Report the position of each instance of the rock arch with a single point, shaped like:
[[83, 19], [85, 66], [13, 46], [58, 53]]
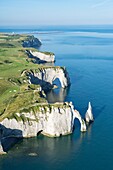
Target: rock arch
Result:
[[46, 76], [82, 122], [56, 82]]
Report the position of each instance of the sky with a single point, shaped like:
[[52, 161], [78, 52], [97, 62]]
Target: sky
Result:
[[56, 12]]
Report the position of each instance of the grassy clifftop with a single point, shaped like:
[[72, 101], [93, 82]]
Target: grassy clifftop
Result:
[[13, 60], [16, 94]]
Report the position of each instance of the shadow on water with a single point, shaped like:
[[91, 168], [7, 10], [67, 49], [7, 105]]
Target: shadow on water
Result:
[[50, 146], [57, 95], [44, 153], [98, 111], [9, 137]]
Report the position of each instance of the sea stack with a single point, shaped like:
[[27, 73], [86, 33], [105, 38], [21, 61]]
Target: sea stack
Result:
[[89, 115]]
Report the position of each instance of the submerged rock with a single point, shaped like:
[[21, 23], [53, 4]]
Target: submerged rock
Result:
[[32, 154], [89, 115]]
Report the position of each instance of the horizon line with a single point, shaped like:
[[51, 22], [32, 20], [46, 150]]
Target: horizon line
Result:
[[56, 25]]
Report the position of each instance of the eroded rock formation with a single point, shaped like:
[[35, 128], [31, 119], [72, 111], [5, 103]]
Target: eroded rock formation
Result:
[[31, 42], [89, 115], [82, 122], [41, 57], [47, 75], [51, 119]]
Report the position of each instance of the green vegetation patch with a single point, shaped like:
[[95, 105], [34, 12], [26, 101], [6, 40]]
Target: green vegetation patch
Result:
[[20, 101], [15, 92], [6, 45]]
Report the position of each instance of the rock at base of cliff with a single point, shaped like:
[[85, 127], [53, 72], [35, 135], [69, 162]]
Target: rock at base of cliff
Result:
[[1, 150]]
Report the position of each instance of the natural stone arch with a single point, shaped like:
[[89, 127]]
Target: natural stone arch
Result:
[[47, 75], [82, 122], [56, 81]]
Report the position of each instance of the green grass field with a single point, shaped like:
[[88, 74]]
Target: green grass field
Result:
[[13, 60], [16, 94]]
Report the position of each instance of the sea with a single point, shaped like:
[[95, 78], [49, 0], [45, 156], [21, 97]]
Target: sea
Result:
[[87, 54]]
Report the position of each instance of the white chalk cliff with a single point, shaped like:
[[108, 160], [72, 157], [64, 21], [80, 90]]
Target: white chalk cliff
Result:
[[49, 57], [47, 75], [89, 115], [52, 119]]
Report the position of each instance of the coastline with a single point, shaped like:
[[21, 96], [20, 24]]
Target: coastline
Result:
[[27, 118], [10, 41]]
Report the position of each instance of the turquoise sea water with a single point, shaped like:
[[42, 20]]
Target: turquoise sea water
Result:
[[87, 53]]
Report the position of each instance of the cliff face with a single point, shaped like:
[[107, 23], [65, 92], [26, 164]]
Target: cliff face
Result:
[[31, 42], [42, 57], [46, 76], [52, 119]]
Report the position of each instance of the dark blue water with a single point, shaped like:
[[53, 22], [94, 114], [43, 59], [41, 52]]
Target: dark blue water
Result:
[[87, 54]]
